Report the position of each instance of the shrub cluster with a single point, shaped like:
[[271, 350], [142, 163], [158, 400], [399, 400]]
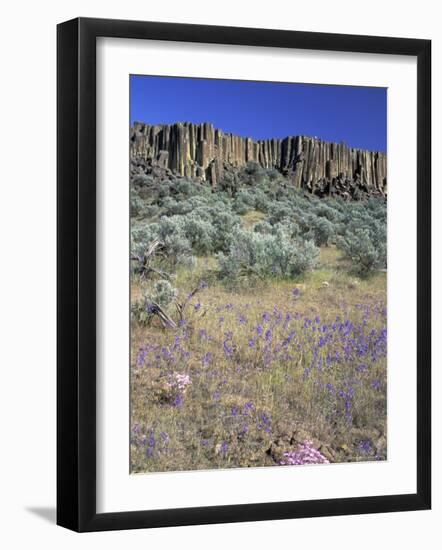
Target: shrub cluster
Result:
[[263, 254], [162, 294], [192, 219]]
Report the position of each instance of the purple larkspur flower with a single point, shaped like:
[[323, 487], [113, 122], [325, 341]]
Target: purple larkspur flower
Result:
[[248, 407], [151, 439], [296, 292], [224, 448], [178, 401], [259, 330], [141, 357], [266, 316], [289, 338], [149, 451], [365, 446], [136, 429], [265, 423], [228, 350]]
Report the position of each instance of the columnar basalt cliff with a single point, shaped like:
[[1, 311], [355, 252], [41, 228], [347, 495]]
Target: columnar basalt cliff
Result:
[[204, 152]]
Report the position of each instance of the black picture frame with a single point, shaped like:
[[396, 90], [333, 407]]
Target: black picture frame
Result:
[[76, 274]]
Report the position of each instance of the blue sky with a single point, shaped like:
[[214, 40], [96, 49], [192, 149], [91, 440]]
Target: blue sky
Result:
[[355, 115]]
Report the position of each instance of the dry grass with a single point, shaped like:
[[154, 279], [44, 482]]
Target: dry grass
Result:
[[261, 380], [251, 218]]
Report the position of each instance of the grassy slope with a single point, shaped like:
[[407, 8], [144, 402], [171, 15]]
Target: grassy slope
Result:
[[246, 405]]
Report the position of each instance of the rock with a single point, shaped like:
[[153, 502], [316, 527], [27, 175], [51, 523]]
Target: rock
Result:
[[162, 159], [381, 445], [200, 150], [328, 452]]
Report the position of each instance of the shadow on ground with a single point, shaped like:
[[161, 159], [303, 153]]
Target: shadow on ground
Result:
[[46, 513]]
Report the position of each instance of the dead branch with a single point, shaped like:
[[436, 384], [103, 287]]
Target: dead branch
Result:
[[181, 306], [145, 260], [166, 321]]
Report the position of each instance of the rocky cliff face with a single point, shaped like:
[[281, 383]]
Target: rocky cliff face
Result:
[[204, 152]]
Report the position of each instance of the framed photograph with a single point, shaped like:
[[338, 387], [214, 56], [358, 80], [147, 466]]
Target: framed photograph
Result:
[[243, 274]]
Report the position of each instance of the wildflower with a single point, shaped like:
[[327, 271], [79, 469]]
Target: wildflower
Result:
[[179, 381], [224, 448], [365, 446], [265, 423], [304, 454], [136, 429], [296, 292], [228, 350], [178, 401], [141, 357], [248, 407], [150, 444]]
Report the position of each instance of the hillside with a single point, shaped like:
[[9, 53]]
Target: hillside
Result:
[[207, 154]]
